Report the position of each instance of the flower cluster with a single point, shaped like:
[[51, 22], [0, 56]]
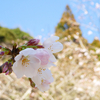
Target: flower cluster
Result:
[[35, 64], [33, 61]]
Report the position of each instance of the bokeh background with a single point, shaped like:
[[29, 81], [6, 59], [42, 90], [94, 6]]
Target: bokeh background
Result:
[[77, 23]]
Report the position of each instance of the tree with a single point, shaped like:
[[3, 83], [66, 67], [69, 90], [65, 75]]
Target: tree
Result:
[[68, 27], [7, 36], [87, 14]]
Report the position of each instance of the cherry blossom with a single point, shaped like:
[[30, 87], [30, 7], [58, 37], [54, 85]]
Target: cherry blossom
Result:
[[45, 58], [33, 61], [51, 44], [43, 79], [29, 61], [34, 64], [45, 85], [26, 63]]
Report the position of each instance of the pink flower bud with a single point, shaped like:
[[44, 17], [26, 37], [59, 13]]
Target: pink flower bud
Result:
[[0, 46], [9, 71], [1, 53], [5, 67], [33, 42]]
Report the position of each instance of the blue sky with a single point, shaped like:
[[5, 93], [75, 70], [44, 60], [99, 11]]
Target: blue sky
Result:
[[38, 17]]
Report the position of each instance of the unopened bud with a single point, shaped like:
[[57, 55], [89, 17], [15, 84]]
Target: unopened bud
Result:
[[0, 47], [5, 67], [33, 42], [9, 71], [1, 53]]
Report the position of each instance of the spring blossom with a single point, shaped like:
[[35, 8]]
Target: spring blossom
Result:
[[34, 64]]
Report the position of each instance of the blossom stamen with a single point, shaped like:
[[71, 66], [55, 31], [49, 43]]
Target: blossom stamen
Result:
[[25, 61], [44, 69], [50, 48], [40, 70]]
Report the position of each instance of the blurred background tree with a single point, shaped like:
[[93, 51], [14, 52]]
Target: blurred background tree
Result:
[[68, 27], [88, 15], [9, 36]]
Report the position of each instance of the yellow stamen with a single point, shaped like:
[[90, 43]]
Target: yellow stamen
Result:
[[40, 70], [50, 48], [42, 81], [25, 61], [44, 69]]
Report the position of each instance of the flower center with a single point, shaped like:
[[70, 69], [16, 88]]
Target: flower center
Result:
[[40, 70], [25, 61], [50, 48], [44, 82]]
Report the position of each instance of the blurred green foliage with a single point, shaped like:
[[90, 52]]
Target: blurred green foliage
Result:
[[9, 35], [96, 43], [98, 56]]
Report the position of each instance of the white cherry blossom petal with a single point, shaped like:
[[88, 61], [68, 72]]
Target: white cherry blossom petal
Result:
[[18, 70], [31, 70], [48, 65], [52, 58], [37, 79], [27, 51], [52, 45], [50, 40], [43, 87], [51, 80], [46, 74], [18, 57], [56, 47], [42, 74], [51, 64]]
